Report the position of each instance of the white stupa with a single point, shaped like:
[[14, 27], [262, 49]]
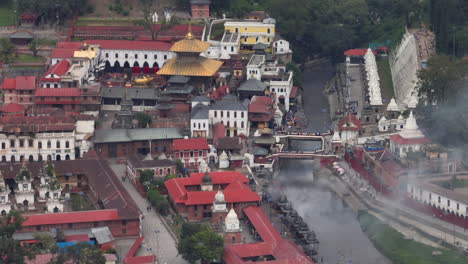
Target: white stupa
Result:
[[232, 222], [411, 129], [392, 106], [336, 137], [223, 160], [383, 124], [219, 204], [400, 122], [413, 101]]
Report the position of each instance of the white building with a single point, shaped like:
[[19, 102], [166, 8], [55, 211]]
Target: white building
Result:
[[199, 121], [24, 192], [276, 77], [129, 54], [232, 113], [252, 32], [281, 46], [57, 138], [439, 197], [232, 222], [5, 204], [229, 45], [409, 139], [50, 190]]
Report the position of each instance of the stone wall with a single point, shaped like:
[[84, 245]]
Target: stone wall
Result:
[[404, 65]]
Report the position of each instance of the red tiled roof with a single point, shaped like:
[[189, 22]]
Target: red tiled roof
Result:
[[293, 92], [69, 45], [19, 83], [408, 141], [78, 238], [262, 104], [58, 92], [190, 144], [12, 108], [27, 16], [349, 123], [357, 52], [60, 68], [273, 244], [36, 124], [71, 217], [131, 44], [62, 53], [235, 193], [219, 93]]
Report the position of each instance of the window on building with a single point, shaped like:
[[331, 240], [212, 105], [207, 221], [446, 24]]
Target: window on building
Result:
[[227, 113], [191, 153], [3, 145], [12, 143], [268, 31], [107, 55], [30, 143], [21, 99], [194, 125], [48, 85], [67, 178], [116, 55], [199, 153], [430, 196], [235, 114], [55, 85], [165, 57], [448, 202], [155, 56], [236, 30], [25, 187], [438, 199], [204, 125], [146, 56], [181, 154], [67, 144], [124, 222], [458, 206], [242, 124], [242, 114], [222, 114], [39, 145], [57, 144], [136, 56], [55, 196], [49, 144], [195, 207], [21, 143], [215, 113], [126, 55]]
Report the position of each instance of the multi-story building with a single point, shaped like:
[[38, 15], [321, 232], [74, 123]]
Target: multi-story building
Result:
[[43, 137], [200, 8], [199, 121], [194, 197], [252, 32], [191, 151], [19, 90], [232, 113], [274, 75]]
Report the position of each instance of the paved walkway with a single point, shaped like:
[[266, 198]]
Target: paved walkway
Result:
[[158, 240]]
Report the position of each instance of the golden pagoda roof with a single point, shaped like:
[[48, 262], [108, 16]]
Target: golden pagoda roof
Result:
[[200, 66], [190, 44]]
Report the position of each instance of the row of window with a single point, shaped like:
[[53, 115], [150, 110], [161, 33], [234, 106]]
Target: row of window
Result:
[[245, 29], [438, 199], [136, 56], [199, 125], [200, 153], [279, 90], [228, 115], [30, 143]]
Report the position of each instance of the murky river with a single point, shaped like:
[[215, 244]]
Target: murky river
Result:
[[341, 238]]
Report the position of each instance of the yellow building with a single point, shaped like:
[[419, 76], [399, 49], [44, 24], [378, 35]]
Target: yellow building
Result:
[[253, 32]]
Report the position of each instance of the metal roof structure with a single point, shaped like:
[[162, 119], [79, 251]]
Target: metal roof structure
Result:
[[136, 134]]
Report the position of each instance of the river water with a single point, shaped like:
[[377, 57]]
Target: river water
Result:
[[339, 233]]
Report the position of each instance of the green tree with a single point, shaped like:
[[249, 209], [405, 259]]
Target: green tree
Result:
[[7, 50], [33, 47], [85, 253], [179, 166], [146, 178], [190, 229], [158, 201], [143, 119], [205, 245], [11, 252]]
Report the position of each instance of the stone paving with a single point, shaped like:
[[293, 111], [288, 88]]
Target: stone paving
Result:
[[158, 241]]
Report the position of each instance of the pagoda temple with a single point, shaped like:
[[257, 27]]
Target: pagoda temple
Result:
[[188, 62], [125, 115]]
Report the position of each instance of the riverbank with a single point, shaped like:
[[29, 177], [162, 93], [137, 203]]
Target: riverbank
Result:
[[401, 250]]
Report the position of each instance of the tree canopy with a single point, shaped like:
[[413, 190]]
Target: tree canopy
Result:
[[49, 9], [11, 252], [198, 242]]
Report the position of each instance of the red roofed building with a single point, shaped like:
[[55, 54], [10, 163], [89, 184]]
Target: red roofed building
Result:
[[191, 151], [12, 109], [194, 196], [52, 78], [262, 110], [200, 8], [409, 139], [349, 127], [273, 248], [68, 99], [27, 18], [385, 167], [356, 56], [19, 90]]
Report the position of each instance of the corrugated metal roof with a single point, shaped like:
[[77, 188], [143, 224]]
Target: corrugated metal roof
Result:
[[137, 134]]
